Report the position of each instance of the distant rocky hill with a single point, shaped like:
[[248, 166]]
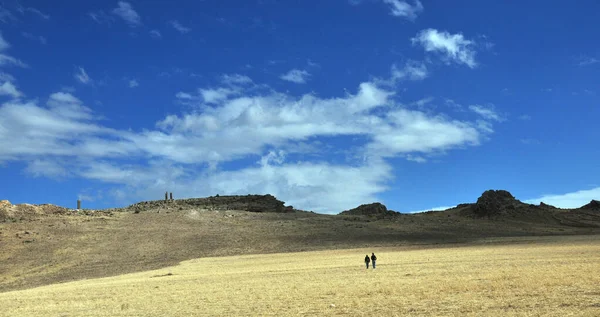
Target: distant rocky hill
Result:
[[252, 203], [373, 209], [593, 205]]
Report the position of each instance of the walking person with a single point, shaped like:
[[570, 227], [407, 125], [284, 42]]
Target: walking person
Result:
[[373, 259], [367, 260]]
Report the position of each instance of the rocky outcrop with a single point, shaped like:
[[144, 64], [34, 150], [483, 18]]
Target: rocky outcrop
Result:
[[252, 203], [4, 206], [593, 205], [373, 209], [546, 206], [496, 202], [10, 212]]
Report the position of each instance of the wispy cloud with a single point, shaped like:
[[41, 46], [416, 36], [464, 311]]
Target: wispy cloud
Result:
[[125, 11], [235, 79], [133, 83], [36, 12], [4, 45], [487, 112], [416, 158], [403, 9], [296, 76], [37, 38], [412, 70], [179, 27], [7, 60], [155, 34], [453, 47], [525, 117], [46, 168], [82, 76], [6, 77], [530, 141], [68, 106], [6, 16], [587, 61], [101, 17], [9, 89]]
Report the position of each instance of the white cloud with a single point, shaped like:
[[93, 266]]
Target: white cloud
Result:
[[587, 60], [155, 34], [82, 76], [414, 131], [454, 105], [412, 70], [183, 95], [3, 44], [179, 27], [418, 159], [8, 89], [6, 60], [454, 47], [235, 79], [237, 122], [68, 106], [133, 83], [568, 200], [404, 9], [296, 76], [431, 209], [217, 95], [423, 102], [487, 112], [29, 131], [125, 11], [46, 168]]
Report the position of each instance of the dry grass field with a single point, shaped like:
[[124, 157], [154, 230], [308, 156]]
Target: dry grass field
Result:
[[558, 276]]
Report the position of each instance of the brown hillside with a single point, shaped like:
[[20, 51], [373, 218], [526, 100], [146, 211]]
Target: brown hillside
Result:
[[43, 244]]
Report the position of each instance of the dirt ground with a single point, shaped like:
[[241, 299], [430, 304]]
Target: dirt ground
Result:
[[59, 248], [529, 276]]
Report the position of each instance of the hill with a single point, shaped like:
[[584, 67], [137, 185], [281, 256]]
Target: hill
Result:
[[43, 244]]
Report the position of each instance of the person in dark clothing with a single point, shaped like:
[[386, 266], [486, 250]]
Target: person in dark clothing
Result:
[[373, 259], [367, 260]]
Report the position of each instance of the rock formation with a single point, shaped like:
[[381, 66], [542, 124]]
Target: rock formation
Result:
[[373, 209], [252, 203]]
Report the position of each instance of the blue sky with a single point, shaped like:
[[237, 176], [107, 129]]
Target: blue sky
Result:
[[324, 104]]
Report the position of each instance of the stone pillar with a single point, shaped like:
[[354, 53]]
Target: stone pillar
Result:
[[171, 196], [166, 196], [78, 204]]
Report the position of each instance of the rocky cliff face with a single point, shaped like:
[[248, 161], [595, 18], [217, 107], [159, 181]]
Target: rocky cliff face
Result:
[[252, 203]]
